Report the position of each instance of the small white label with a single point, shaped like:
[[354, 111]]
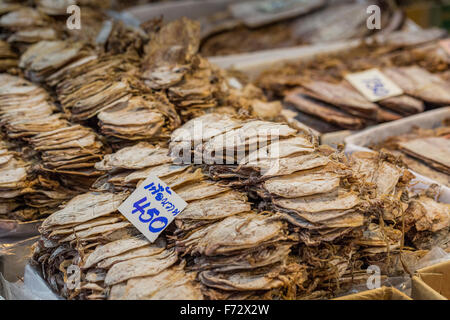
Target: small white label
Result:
[[445, 44], [152, 207], [374, 85]]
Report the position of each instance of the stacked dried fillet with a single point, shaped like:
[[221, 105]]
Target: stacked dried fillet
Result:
[[326, 102], [310, 187], [421, 84], [89, 222], [228, 252], [327, 200], [317, 21], [428, 222], [426, 151], [44, 58], [106, 86], [171, 62]]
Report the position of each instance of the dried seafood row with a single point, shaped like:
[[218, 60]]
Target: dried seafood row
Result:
[[26, 194], [28, 113], [171, 62], [427, 222], [327, 102], [203, 229], [311, 187], [318, 21], [284, 168], [116, 263], [104, 86], [424, 150], [341, 105], [26, 109], [113, 260]]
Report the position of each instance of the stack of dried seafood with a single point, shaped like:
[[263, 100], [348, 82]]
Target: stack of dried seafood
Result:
[[426, 151], [13, 172], [421, 84], [27, 194], [62, 155], [26, 109], [351, 207], [427, 222], [322, 219], [116, 263], [327, 102], [28, 113], [195, 86]]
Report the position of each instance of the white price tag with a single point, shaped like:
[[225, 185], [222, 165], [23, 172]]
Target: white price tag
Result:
[[152, 207], [445, 44], [374, 85]]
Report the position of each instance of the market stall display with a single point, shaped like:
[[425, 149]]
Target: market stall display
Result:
[[270, 213], [426, 151]]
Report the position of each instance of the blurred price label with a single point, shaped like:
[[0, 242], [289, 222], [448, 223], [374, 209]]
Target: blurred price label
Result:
[[445, 44], [374, 85]]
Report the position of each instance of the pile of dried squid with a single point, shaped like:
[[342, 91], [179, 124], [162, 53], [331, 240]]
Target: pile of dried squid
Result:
[[85, 122]]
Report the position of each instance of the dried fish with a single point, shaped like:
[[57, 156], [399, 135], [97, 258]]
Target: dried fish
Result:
[[326, 112], [421, 84], [424, 151]]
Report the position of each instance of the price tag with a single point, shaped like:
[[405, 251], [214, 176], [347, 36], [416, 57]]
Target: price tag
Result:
[[152, 207], [374, 85], [445, 44]]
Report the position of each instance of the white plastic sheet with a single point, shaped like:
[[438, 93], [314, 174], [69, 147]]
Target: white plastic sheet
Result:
[[36, 285]]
